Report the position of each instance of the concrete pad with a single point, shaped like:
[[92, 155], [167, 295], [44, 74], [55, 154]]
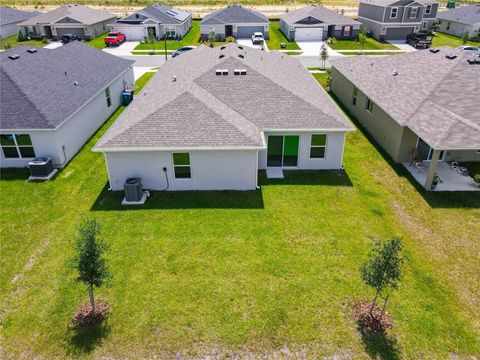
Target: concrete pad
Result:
[[402, 45], [274, 173], [141, 202], [248, 43], [53, 45], [138, 71], [125, 49]]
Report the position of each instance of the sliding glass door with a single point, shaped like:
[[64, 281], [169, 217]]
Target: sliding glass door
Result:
[[282, 151], [425, 152]]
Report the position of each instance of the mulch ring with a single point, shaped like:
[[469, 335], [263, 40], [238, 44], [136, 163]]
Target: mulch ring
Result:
[[85, 317], [373, 322]]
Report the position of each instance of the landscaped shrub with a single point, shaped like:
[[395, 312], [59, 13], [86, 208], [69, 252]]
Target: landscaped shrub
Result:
[[84, 316], [44, 40], [230, 39]]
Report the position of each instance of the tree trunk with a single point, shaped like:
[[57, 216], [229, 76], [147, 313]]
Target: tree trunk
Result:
[[373, 303], [384, 307], [92, 299]]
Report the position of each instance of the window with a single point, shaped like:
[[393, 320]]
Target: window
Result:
[[428, 9], [354, 96], [413, 13], [393, 13], [169, 31], [181, 166], [107, 95], [369, 105], [424, 25], [318, 146], [16, 146]]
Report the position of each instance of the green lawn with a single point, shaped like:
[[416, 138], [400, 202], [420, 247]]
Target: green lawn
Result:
[[277, 37], [370, 44], [98, 42], [12, 42], [441, 39], [221, 273], [142, 81]]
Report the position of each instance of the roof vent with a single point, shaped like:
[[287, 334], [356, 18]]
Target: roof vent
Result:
[[241, 56], [14, 57], [395, 72], [32, 50], [473, 61], [75, 83], [221, 72], [240, 47], [434, 50], [240, 71], [451, 56], [222, 48], [174, 78], [221, 56]]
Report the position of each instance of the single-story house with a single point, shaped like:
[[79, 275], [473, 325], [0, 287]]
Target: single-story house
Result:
[[420, 105], [236, 21], [52, 101], [10, 18], [85, 22], [162, 20], [316, 23], [210, 119], [460, 20]]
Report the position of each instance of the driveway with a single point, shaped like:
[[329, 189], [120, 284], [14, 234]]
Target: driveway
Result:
[[125, 49], [53, 45], [402, 45], [312, 48], [248, 43]]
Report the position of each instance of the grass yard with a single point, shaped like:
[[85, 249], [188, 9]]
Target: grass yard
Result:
[[249, 273], [98, 42], [441, 39], [277, 37], [142, 81], [12, 42], [370, 44]]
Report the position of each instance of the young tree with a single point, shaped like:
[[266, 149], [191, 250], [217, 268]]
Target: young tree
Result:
[[151, 38], [362, 37], [464, 37], [89, 262], [212, 37], [323, 54], [383, 269]]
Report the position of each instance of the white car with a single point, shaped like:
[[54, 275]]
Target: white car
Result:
[[470, 49], [257, 38]]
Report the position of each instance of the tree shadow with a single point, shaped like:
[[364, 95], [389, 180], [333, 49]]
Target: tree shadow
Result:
[[308, 177], [379, 345], [85, 340]]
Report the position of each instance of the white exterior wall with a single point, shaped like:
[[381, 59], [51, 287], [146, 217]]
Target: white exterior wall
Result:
[[75, 132], [8, 30], [334, 152], [210, 169], [219, 30]]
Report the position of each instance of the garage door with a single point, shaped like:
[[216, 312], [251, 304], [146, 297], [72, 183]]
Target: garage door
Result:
[[398, 33], [131, 32], [245, 32], [308, 34], [77, 31]]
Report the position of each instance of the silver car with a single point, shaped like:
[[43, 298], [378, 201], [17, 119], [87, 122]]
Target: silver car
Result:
[[182, 50], [470, 49]]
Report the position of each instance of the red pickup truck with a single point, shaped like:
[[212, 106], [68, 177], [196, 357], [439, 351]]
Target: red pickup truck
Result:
[[115, 38]]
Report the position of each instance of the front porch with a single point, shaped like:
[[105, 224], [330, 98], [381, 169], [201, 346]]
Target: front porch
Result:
[[450, 179]]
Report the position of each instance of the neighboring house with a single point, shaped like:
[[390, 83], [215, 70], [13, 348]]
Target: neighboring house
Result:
[[460, 20], [52, 101], [162, 20], [10, 18], [236, 21], [210, 119], [396, 19], [85, 22], [420, 100], [316, 23]]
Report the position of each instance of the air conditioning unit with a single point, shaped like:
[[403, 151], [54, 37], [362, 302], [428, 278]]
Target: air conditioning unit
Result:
[[41, 168], [133, 190]]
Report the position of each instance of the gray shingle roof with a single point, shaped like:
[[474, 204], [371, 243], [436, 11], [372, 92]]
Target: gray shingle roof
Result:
[[318, 12], [435, 97], [234, 14], [469, 14], [82, 14], [38, 91], [160, 13], [186, 105], [9, 15]]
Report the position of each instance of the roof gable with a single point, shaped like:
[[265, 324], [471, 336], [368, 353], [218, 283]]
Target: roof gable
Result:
[[67, 19], [82, 14]]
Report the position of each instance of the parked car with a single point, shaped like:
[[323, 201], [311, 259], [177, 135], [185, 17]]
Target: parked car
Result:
[[419, 40], [257, 38], [67, 38], [182, 50], [115, 38], [470, 49]]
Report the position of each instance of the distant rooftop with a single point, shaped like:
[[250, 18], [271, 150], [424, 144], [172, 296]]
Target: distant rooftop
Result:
[[161, 13], [234, 14], [82, 14], [10, 15], [469, 14], [320, 13]]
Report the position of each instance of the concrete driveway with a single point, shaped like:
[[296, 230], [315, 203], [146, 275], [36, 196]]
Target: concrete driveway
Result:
[[125, 49], [402, 45], [53, 45], [248, 43], [312, 48]]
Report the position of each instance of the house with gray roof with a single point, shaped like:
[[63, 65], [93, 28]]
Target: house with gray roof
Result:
[[234, 20], [460, 20], [211, 118], [85, 22], [317, 23], [10, 18], [53, 100], [419, 106], [161, 19], [396, 19]]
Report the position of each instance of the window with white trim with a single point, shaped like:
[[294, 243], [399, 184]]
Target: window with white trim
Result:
[[369, 105], [424, 25], [107, 96], [428, 9], [413, 13], [318, 146], [354, 96], [181, 166], [393, 13], [170, 31], [17, 146]]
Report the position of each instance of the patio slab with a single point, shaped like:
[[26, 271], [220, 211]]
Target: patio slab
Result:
[[451, 180]]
